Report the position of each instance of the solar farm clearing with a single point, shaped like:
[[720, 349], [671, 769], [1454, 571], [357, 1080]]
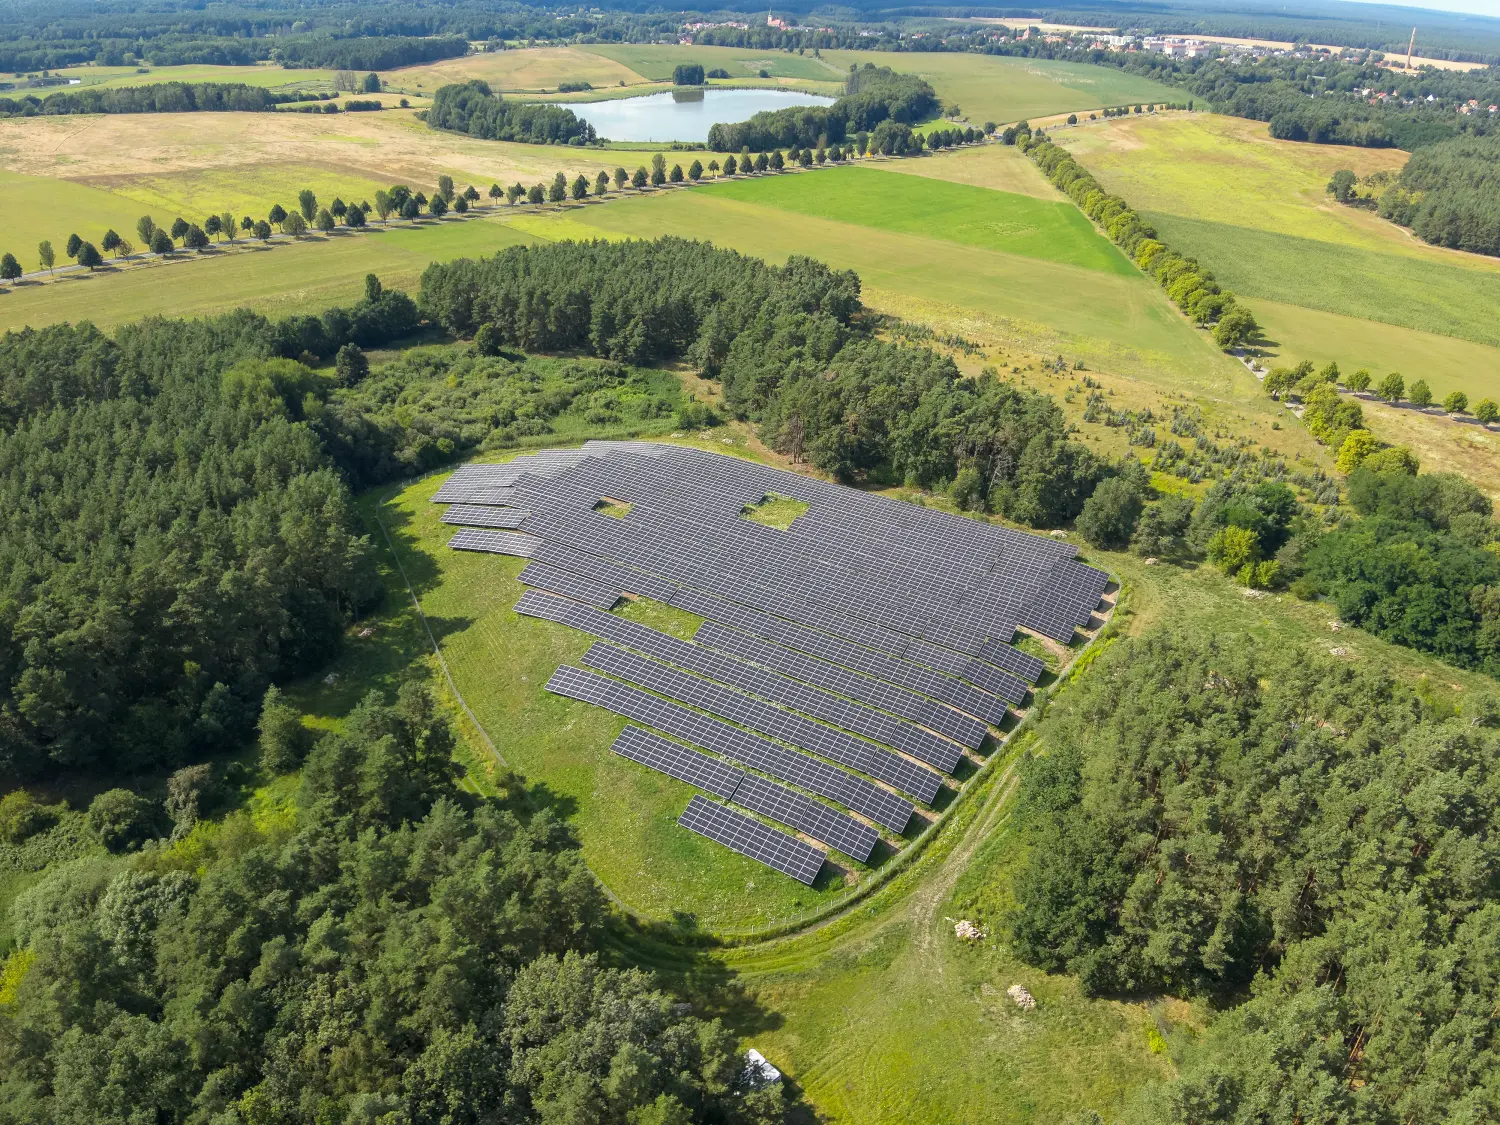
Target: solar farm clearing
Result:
[[851, 669]]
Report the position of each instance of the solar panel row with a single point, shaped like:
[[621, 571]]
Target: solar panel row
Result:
[[748, 836], [810, 700], [746, 711], [749, 791], [478, 515], [864, 797], [515, 543], [568, 584]]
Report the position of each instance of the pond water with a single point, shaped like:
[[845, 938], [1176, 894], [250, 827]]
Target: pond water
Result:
[[683, 115]]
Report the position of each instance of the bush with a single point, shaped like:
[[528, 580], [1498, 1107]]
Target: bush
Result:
[[1109, 516], [487, 340], [1397, 459], [1456, 403], [1359, 445], [21, 816], [119, 819], [1486, 411]]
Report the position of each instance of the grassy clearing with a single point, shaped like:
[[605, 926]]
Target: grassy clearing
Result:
[[277, 280], [624, 815], [1427, 296], [656, 61], [995, 88], [962, 213], [532, 70]]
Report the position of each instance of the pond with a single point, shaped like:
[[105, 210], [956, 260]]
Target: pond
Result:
[[683, 115]]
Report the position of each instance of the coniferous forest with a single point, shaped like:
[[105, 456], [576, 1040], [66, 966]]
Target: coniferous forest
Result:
[[1310, 846]]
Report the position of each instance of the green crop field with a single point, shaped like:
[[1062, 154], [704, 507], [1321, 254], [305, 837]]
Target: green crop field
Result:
[[532, 69], [962, 213], [1418, 293], [1328, 282]]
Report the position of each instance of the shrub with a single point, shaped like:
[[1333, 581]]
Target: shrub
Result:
[[119, 819], [1359, 445], [1396, 459], [1486, 411], [1233, 548], [21, 816], [1109, 516], [1456, 403]]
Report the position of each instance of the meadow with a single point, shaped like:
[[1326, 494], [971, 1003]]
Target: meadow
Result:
[[961, 213], [267, 75], [657, 61], [532, 70], [1326, 281]]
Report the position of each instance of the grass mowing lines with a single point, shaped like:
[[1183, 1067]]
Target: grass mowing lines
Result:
[[963, 213], [1412, 293]]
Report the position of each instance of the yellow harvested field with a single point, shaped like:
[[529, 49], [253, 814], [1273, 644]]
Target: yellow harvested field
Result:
[[998, 167], [533, 70], [194, 164]]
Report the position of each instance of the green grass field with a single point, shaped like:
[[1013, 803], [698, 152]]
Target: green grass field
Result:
[[996, 88], [1417, 293], [1328, 282], [270, 77], [961, 213], [278, 280]]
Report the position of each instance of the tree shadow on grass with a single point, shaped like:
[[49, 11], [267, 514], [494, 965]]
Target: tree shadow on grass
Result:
[[420, 568]]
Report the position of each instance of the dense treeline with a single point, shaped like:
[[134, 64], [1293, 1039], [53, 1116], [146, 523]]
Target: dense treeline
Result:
[[1449, 194], [174, 534], [1418, 567], [372, 53], [872, 95], [395, 951], [1190, 285], [1311, 842], [164, 97], [471, 108], [793, 354]]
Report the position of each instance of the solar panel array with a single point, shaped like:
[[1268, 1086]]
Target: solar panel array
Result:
[[851, 656]]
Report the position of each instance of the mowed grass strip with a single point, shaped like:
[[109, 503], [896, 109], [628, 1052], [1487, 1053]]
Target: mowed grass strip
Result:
[[953, 212], [1428, 296]]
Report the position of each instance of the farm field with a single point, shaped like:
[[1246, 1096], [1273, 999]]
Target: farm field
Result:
[[1115, 321], [277, 280], [1328, 282], [1001, 167], [267, 75], [961, 213], [87, 174], [532, 70], [1001, 89], [655, 62]]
